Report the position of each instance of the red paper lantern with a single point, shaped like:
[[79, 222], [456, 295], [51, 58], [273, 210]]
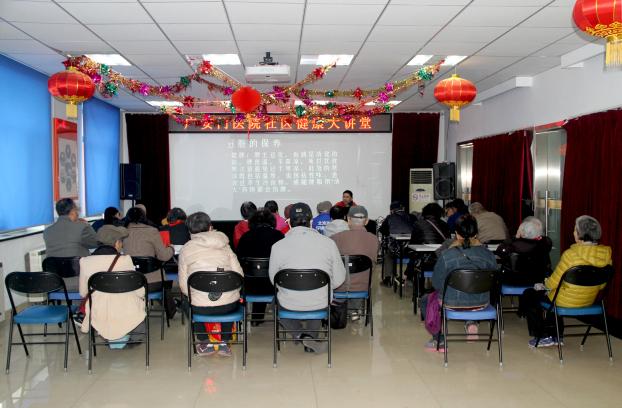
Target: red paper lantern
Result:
[[246, 99], [455, 92], [72, 87], [602, 18]]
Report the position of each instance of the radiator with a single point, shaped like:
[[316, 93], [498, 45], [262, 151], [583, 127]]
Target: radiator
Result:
[[34, 263]]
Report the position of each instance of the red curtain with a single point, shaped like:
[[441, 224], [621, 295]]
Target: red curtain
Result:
[[147, 144], [415, 145], [592, 174], [502, 175]]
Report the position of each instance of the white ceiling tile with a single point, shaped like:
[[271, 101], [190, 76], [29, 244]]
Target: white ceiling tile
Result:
[[108, 13], [523, 41], [332, 32], [8, 32], [158, 60], [557, 49], [469, 34], [342, 14], [432, 2], [255, 13], [143, 47], [579, 38], [255, 1], [167, 70], [493, 16], [551, 17], [418, 15], [131, 72], [55, 32], [277, 47], [36, 12], [505, 3], [94, 1], [404, 34], [46, 63], [187, 12], [451, 48], [135, 32], [81, 47], [384, 50], [207, 32], [24, 47], [283, 59], [332, 47], [206, 47], [350, 2], [266, 32]]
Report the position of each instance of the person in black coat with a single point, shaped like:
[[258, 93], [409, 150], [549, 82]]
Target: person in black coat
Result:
[[430, 229], [257, 243]]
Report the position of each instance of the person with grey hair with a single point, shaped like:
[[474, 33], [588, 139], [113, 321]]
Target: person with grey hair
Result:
[[492, 228], [585, 251], [323, 217], [526, 261], [70, 235], [209, 250]]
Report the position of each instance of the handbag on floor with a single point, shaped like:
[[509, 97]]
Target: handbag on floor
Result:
[[338, 315], [432, 313]]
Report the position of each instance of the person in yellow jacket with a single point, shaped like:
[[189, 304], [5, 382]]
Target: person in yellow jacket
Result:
[[585, 251]]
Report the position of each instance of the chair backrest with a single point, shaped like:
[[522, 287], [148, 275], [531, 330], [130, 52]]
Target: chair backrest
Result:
[[117, 282], [33, 283], [356, 263], [301, 279], [472, 281], [219, 281], [255, 267], [146, 264], [65, 267], [585, 275]]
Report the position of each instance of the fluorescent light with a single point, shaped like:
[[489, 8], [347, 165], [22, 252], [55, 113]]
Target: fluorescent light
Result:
[[222, 59], [325, 59], [167, 104], [452, 60], [109, 59], [420, 59], [392, 103]]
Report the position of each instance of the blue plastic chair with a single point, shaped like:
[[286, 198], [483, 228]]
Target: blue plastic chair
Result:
[[473, 281], [589, 276], [65, 267], [148, 264], [301, 280], [357, 264], [36, 283], [255, 270], [219, 281]]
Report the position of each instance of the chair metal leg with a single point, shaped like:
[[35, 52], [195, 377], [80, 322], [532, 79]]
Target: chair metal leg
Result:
[[607, 332], [9, 346], [147, 340], [499, 340], [91, 352], [587, 333], [21, 335], [245, 345], [330, 363], [190, 339], [276, 323], [492, 329], [75, 334], [92, 334], [67, 340], [559, 343], [162, 317], [445, 339], [370, 315]]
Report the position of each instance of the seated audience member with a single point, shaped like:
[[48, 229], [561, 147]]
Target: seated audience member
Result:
[[281, 223], [454, 210], [346, 199], [247, 209], [147, 220], [466, 252], [338, 221], [526, 259], [430, 228], [69, 236], [357, 241], [257, 243], [115, 314], [209, 250], [175, 232], [144, 240], [492, 228], [585, 251], [305, 248], [398, 221], [323, 217], [112, 216]]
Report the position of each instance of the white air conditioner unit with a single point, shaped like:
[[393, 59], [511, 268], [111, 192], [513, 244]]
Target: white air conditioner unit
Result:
[[267, 74], [421, 189], [34, 263]]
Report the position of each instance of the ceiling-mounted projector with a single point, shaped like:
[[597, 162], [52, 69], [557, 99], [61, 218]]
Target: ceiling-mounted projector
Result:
[[267, 72]]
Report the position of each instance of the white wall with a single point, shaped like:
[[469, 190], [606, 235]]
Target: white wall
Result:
[[556, 94]]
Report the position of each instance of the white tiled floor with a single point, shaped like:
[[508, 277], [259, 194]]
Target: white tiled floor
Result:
[[392, 370]]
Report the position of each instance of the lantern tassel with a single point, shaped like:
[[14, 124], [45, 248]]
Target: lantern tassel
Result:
[[454, 114], [72, 110], [613, 52]]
